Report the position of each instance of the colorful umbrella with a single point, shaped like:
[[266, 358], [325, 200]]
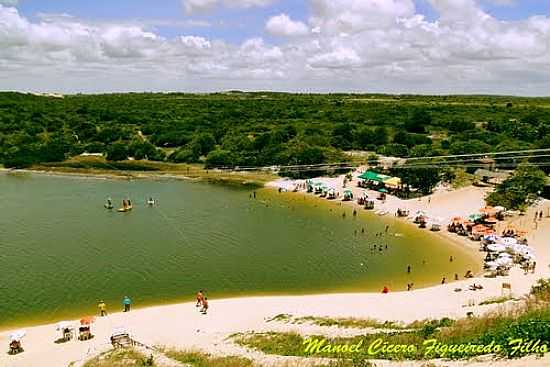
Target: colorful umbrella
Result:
[[87, 320]]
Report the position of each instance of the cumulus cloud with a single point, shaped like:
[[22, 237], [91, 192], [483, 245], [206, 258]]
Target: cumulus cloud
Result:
[[193, 6], [282, 25], [351, 16], [345, 45]]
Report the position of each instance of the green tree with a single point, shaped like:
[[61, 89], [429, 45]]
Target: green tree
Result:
[[117, 152], [219, 158], [517, 191], [418, 121]]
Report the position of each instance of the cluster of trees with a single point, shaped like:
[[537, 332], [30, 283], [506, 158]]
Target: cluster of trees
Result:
[[519, 191], [263, 129]]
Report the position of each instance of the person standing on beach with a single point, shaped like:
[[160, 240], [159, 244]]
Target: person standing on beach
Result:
[[444, 280], [102, 308], [200, 298], [127, 302], [409, 269], [204, 308]]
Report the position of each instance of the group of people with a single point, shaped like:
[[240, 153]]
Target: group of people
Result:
[[102, 306], [202, 302]]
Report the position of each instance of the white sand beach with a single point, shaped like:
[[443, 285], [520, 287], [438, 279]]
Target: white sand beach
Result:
[[183, 327]]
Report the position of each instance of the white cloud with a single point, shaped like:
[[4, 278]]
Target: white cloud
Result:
[[337, 59], [193, 6], [351, 16], [282, 25]]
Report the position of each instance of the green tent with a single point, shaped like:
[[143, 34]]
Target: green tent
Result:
[[475, 217], [373, 176]]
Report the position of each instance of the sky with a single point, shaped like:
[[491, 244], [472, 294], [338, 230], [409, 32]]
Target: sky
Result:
[[387, 46]]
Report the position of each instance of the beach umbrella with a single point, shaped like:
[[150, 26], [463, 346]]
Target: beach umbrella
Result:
[[491, 237], [526, 250], [528, 256], [504, 254], [479, 228], [475, 217], [500, 208], [491, 264], [504, 261], [87, 320], [495, 247], [508, 241], [62, 325], [17, 335]]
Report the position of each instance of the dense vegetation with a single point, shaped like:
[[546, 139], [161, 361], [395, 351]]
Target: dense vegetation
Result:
[[263, 129], [520, 190]]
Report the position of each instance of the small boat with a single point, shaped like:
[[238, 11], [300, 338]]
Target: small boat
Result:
[[151, 202], [109, 204], [126, 206]]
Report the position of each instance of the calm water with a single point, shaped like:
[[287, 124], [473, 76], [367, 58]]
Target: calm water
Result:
[[61, 251]]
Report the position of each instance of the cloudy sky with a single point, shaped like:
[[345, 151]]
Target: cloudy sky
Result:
[[396, 46]]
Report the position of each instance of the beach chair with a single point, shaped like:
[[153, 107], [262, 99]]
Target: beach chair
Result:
[[84, 333], [15, 347]]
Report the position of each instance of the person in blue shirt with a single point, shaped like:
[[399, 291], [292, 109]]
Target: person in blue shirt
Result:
[[126, 302]]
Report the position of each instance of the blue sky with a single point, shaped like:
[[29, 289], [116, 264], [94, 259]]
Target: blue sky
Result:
[[394, 46]]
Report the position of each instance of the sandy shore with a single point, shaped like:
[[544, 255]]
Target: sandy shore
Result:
[[183, 327]]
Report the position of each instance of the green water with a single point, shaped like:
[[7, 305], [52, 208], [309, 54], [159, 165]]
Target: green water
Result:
[[61, 251]]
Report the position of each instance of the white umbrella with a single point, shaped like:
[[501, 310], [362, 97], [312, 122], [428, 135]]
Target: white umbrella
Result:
[[495, 247], [508, 241], [499, 208], [504, 261], [492, 264], [517, 248], [504, 254], [17, 335], [528, 256], [527, 250], [62, 325]]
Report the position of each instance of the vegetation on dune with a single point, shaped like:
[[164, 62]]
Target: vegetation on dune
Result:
[[120, 358], [529, 321], [200, 359]]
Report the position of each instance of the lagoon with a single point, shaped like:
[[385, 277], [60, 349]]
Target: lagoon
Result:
[[61, 251]]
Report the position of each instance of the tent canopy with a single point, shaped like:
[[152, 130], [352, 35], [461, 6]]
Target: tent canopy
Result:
[[373, 176], [393, 182]]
